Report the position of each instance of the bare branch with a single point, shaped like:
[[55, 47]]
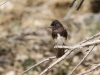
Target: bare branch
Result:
[[95, 36], [38, 64], [85, 43], [53, 64], [79, 46], [3, 3], [69, 50], [90, 70], [82, 60]]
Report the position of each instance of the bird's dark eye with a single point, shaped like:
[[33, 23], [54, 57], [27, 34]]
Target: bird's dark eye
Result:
[[54, 25]]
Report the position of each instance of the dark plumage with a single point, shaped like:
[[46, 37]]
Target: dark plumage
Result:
[[59, 34]]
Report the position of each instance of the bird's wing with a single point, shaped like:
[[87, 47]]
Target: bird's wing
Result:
[[54, 35], [64, 33]]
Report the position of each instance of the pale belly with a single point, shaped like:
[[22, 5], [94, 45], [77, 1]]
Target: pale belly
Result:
[[60, 40]]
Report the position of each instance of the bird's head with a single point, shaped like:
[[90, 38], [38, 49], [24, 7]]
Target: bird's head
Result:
[[55, 25]]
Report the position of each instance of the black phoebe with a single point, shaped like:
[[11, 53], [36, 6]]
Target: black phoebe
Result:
[[59, 35]]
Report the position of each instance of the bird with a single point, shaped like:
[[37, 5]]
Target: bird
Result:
[[59, 34]]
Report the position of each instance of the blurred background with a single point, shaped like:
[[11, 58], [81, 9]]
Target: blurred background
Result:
[[25, 40]]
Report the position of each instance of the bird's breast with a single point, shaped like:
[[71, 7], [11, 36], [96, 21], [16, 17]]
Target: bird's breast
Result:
[[60, 40]]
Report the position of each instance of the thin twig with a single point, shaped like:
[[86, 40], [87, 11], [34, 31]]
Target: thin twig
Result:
[[88, 39], [90, 70], [80, 4], [38, 64], [3, 3], [72, 3], [82, 60]]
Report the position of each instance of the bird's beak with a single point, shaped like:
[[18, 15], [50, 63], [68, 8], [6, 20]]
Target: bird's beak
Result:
[[50, 27]]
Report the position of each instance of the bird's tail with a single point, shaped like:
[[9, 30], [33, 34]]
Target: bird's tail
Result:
[[60, 52]]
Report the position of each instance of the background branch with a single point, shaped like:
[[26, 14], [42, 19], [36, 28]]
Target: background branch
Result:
[[81, 2], [38, 64], [90, 70], [3, 3], [82, 60]]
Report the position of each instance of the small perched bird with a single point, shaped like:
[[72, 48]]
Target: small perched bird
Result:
[[59, 35]]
